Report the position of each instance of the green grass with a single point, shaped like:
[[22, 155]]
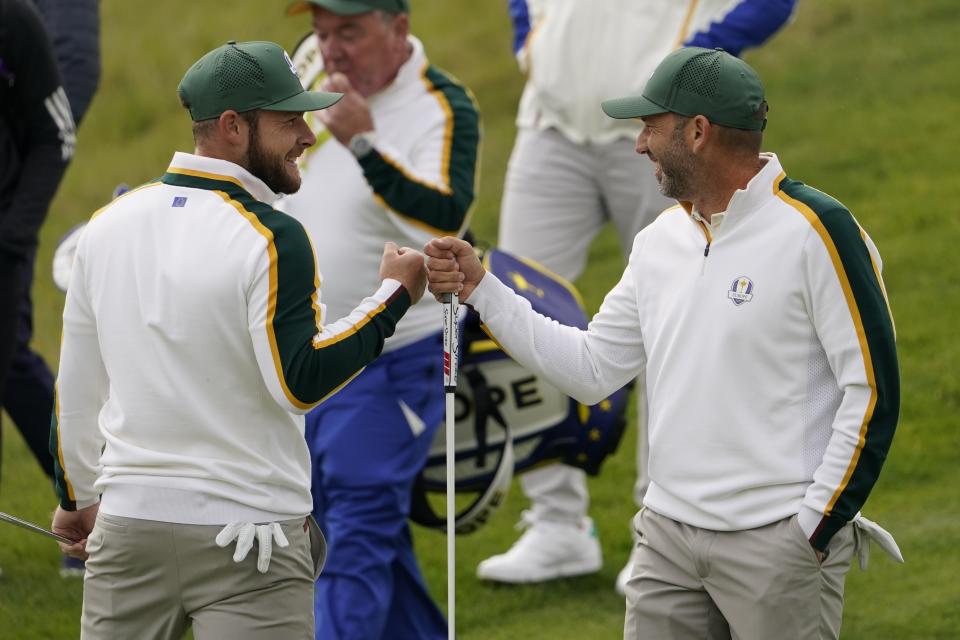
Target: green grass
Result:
[[864, 106]]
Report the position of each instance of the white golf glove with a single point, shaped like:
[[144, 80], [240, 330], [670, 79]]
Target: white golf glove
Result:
[[245, 532], [866, 530]]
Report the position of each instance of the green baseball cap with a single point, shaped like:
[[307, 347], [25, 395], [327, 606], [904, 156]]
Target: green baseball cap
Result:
[[244, 76], [350, 7], [695, 81]]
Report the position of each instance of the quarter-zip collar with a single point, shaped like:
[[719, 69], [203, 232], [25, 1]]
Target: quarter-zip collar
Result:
[[223, 170], [759, 191]]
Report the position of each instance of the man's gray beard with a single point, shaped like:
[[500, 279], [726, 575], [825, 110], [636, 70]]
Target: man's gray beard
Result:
[[676, 187], [677, 170]]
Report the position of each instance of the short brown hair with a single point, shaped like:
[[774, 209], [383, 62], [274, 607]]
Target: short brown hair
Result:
[[203, 129]]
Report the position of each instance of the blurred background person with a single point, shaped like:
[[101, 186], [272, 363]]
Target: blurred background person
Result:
[[573, 170], [396, 160], [37, 137], [73, 27]]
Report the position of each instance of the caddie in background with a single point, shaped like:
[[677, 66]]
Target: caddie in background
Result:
[[757, 311], [396, 160], [193, 343]]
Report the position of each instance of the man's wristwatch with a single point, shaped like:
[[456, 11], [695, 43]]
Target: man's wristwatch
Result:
[[362, 143]]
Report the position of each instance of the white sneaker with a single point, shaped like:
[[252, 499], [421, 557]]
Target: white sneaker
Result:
[[625, 573], [546, 550]]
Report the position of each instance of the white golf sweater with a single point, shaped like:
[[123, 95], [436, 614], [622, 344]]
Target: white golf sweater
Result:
[[769, 355], [579, 53], [418, 182], [193, 339]]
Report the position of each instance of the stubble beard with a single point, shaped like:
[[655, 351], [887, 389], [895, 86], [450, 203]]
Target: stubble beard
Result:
[[677, 169]]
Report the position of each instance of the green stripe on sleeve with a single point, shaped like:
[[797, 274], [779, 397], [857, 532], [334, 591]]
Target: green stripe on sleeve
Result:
[[61, 484], [313, 370], [878, 331], [310, 370], [442, 210]]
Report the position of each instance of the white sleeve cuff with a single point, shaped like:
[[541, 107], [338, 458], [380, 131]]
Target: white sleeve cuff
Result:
[[809, 520], [387, 288]]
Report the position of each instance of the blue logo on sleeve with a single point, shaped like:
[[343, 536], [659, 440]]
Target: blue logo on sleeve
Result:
[[179, 201]]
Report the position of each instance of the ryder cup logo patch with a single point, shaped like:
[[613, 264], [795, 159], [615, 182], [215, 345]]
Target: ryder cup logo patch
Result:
[[741, 290]]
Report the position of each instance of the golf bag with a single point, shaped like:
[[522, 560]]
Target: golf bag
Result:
[[509, 419]]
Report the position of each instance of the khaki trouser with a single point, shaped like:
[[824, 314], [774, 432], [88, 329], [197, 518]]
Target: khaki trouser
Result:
[[750, 585], [152, 580]]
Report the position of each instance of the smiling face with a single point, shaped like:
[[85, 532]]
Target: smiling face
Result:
[[368, 48], [275, 141], [663, 141]]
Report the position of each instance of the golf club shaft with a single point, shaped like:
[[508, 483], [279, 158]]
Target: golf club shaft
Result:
[[451, 302], [451, 531], [29, 526]]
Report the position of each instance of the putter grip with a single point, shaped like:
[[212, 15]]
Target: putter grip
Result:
[[451, 305]]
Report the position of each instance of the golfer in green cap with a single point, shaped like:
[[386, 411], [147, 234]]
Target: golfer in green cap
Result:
[[193, 343], [757, 311]]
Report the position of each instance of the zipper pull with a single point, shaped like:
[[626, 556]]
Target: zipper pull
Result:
[[706, 250]]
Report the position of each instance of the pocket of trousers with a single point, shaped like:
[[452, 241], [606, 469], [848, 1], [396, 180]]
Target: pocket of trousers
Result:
[[801, 538], [318, 546], [105, 525], [111, 523]]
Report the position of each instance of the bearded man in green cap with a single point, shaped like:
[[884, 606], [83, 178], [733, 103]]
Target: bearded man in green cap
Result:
[[193, 343], [757, 311]]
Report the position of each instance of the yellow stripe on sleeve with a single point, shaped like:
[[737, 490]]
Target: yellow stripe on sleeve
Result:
[[448, 129], [320, 344], [817, 225], [271, 295], [56, 409]]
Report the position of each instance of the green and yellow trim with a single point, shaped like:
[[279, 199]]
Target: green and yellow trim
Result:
[[443, 207], [273, 280], [863, 291], [308, 369], [64, 488], [320, 344]]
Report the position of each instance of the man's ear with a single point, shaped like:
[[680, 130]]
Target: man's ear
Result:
[[232, 127], [700, 133], [401, 26]]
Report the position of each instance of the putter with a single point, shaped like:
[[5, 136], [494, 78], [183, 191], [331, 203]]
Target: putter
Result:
[[451, 304], [29, 526]]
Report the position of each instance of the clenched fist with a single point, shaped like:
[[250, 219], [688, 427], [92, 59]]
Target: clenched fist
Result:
[[407, 266], [453, 267]]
